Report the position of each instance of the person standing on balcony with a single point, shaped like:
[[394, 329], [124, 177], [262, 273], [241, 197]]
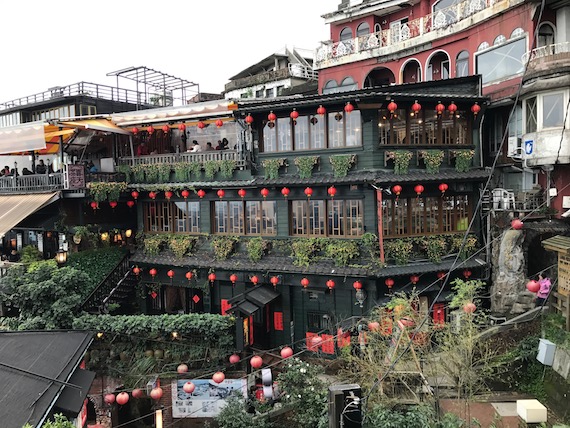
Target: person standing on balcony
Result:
[[142, 149], [544, 290], [5, 171], [41, 167]]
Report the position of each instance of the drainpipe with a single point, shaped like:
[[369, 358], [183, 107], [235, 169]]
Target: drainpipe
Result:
[[548, 169], [380, 221]]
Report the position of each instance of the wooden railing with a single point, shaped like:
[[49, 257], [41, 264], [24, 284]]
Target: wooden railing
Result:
[[36, 183], [170, 158]]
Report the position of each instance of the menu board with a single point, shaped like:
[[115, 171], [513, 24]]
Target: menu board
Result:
[[76, 176], [208, 397]]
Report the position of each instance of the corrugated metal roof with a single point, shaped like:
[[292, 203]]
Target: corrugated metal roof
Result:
[[15, 208]]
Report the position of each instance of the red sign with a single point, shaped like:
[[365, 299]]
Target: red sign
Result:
[[278, 321]]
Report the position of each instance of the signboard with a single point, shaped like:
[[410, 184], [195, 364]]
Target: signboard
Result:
[[563, 274], [528, 147], [76, 176], [208, 398]]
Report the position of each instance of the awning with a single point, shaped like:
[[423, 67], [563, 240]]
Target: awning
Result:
[[252, 300], [71, 399], [103, 125], [15, 208], [22, 138]]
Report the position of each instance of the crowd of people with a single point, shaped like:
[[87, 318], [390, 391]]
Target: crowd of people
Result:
[[194, 147], [41, 168]]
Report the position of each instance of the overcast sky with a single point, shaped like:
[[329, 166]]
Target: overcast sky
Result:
[[60, 42]]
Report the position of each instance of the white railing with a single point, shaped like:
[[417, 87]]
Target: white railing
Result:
[[213, 155], [303, 71], [546, 51], [443, 18], [35, 183]]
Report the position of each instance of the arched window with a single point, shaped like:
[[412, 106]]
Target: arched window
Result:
[[499, 39], [482, 46], [330, 87], [377, 28], [348, 84], [363, 29], [345, 34], [545, 35], [517, 32], [462, 64]]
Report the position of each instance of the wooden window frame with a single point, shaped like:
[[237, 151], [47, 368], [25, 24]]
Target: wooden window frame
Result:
[[346, 218], [166, 215], [244, 218]]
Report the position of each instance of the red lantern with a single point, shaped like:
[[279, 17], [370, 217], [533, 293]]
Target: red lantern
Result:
[[286, 352], [136, 270], [201, 125], [182, 127], [234, 359], [533, 286], [414, 279], [441, 275], [294, 114], [264, 192], [285, 192], [156, 393], [440, 108], [94, 205], [517, 224], [182, 368], [397, 189], [241, 193], [150, 130], [170, 273], [389, 282], [152, 195], [348, 107], [135, 130], [218, 377], [469, 308], [168, 194], [109, 398], [152, 272], [135, 194], [373, 326], [221, 193], [256, 362], [274, 280], [189, 387], [332, 191], [165, 129], [321, 110], [212, 277], [443, 187], [233, 278], [308, 192], [330, 284], [452, 108], [357, 285], [189, 275], [254, 279], [249, 119], [416, 107], [419, 189], [201, 193], [185, 193], [219, 123], [271, 117], [130, 204], [137, 393], [316, 341], [475, 108], [305, 282], [392, 107], [466, 273]]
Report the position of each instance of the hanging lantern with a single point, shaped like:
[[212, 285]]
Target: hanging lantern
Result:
[[241, 193], [274, 280], [389, 282], [316, 341], [264, 192], [234, 359], [469, 308], [165, 129], [185, 193], [452, 108], [150, 130], [219, 123], [443, 187], [201, 193], [94, 205], [475, 109], [392, 107], [189, 387], [466, 273], [294, 114], [182, 368], [321, 110], [330, 284], [308, 192], [135, 130], [182, 127], [256, 362], [135, 194], [201, 125], [218, 377], [272, 117], [109, 398], [440, 108], [233, 278], [156, 393], [285, 192], [414, 279], [212, 277], [357, 285], [130, 204], [416, 107], [136, 270], [168, 194], [221, 193], [397, 189], [137, 393], [249, 119], [331, 191], [517, 224], [533, 286], [286, 352], [441, 275], [152, 195], [170, 273], [152, 272], [419, 189], [189, 275], [348, 107], [254, 279], [304, 282]]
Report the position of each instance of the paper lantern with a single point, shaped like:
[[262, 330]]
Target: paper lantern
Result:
[[397, 189], [517, 224], [130, 204], [233, 278], [330, 284], [201, 125], [185, 193], [308, 192], [254, 279], [94, 205], [533, 286], [136, 270], [357, 285], [443, 187], [331, 191], [452, 108], [264, 192], [234, 359], [135, 130], [414, 279], [392, 107], [286, 352], [416, 107], [256, 362], [152, 195], [152, 272], [218, 377], [150, 130], [249, 119], [440, 108], [182, 368], [374, 326], [271, 117], [170, 273], [241, 193], [475, 109], [321, 110], [466, 273], [189, 275], [182, 127], [189, 387], [219, 123], [135, 194], [294, 114], [201, 193], [137, 393], [469, 308], [305, 282], [419, 189], [109, 398], [285, 192], [221, 193], [212, 277], [389, 282], [274, 281], [348, 107], [165, 129], [168, 194], [441, 275], [316, 341], [156, 393]]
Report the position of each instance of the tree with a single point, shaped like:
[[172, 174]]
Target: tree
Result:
[[59, 421]]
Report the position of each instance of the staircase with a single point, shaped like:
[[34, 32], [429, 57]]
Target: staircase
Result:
[[117, 288]]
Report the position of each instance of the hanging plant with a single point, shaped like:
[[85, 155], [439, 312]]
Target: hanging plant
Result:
[[434, 246], [152, 173], [369, 242], [224, 246], [153, 244], [469, 247], [102, 191], [342, 252], [304, 250], [305, 165], [138, 172], [126, 169], [181, 172], [257, 248], [341, 164], [164, 172], [210, 168], [463, 159], [402, 160], [432, 159], [399, 250], [182, 245], [271, 167], [227, 167]]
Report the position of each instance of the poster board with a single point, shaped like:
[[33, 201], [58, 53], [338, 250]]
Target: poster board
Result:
[[563, 274], [76, 176]]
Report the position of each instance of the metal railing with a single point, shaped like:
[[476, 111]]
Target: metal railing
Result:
[[170, 158], [293, 70], [35, 183], [546, 51]]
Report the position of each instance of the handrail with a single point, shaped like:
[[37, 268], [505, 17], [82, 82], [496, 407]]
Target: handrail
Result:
[[546, 51], [34, 183]]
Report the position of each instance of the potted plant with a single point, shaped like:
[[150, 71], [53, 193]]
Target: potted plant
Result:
[[305, 165], [401, 159], [463, 159], [341, 164], [432, 160], [271, 167]]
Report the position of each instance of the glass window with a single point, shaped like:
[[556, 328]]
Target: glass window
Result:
[[284, 134], [530, 113], [353, 129], [462, 64], [499, 40], [245, 217], [501, 62], [517, 32], [302, 133], [363, 29], [269, 137], [330, 86], [317, 131], [157, 217], [336, 126], [338, 218], [348, 84], [187, 216], [552, 110], [516, 123], [345, 34], [483, 46]]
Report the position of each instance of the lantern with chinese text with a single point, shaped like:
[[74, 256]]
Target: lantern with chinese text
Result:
[[348, 107], [219, 123], [221, 193], [308, 192], [218, 377], [201, 193], [234, 359], [392, 107], [286, 352], [135, 194], [241, 193], [185, 193], [304, 282], [419, 189], [285, 192], [264, 192], [189, 387], [332, 191], [321, 110], [330, 284], [256, 362], [233, 278], [156, 393]]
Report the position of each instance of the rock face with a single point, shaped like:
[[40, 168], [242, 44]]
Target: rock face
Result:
[[509, 295]]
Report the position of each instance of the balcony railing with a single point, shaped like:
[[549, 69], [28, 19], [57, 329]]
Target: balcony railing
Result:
[[554, 51], [430, 23], [171, 158], [293, 70], [36, 183]]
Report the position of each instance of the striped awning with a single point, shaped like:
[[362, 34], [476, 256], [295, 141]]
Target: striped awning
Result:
[[15, 208]]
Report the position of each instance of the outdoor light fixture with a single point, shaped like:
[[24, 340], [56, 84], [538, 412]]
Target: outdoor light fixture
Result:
[[128, 233], [61, 257]]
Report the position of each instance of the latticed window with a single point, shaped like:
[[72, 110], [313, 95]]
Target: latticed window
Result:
[[167, 216], [338, 218], [245, 217]]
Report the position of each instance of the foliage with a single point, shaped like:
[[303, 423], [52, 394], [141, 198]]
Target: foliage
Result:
[[102, 191], [402, 160], [465, 249], [420, 416], [127, 170], [29, 254], [152, 173], [227, 167], [342, 252], [400, 250], [234, 415], [554, 327], [432, 159], [224, 246], [304, 250], [434, 246], [271, 167], [257, 247], [96, 263], [465, 291], [463, 159], [153, 243], [531, 380], [181, 245], [305, 165], [370, 244], [138, 173], [341, 164], [60, 421], [84, 233], [210, 168], [164, 172]]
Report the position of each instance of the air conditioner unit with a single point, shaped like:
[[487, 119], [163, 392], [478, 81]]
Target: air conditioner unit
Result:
[[514, 148]]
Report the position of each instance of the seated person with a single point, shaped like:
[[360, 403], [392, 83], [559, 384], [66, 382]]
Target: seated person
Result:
[[92, 168], [26, 171], [220, 146], [196, 147], [142, 149], [5, 171], [209, 147], [14, 256], [225, 143], [41, 167]]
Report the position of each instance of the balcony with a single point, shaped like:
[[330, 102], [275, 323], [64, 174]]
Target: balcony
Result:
[[36, 183], [293, 70], [548, 57], [173, 158], [413, 33]]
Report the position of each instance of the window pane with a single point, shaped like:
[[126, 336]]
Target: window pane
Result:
[[336, 218], [353, 129], [299, 217], [284, 134], [354, 218], [236, 217], [552, 110], [269, 137], [432, 215], [531, 115], [253, 218], [501, 62], [302, 133], [317, 132], [221, 217], [187, 217], [336, 124], [462, 64], [417, 211], [268, 218], [316, 217]]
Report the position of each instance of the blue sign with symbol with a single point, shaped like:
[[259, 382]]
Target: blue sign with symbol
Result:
[[528, 146]]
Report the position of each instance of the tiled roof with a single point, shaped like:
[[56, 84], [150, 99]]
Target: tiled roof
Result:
[[357, 177], [474, 174]]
